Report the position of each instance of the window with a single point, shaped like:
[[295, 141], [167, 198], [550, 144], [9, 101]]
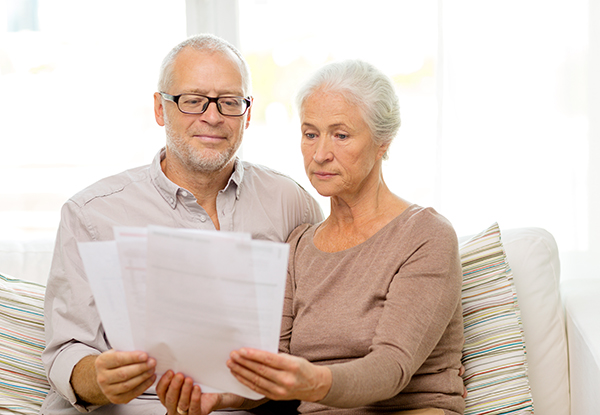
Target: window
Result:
[[497, 100], [399, 37], [496, 104], [65, 68]]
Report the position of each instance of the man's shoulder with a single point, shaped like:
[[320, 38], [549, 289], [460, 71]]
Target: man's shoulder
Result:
[[112, 185]]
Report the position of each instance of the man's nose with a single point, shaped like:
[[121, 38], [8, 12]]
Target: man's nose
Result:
[[211, 113]]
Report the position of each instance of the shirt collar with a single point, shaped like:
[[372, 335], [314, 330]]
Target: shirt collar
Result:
[[168, 189], [165, 187], [236, 177]]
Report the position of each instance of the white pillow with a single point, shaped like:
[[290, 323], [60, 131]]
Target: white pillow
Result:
[[23, 383], [494, 353], [533, 257]]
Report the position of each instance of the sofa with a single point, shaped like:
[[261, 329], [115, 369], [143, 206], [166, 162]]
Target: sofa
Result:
[[532, 342]]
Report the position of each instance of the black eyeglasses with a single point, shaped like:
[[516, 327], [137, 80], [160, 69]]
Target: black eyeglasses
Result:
[[230, 106]]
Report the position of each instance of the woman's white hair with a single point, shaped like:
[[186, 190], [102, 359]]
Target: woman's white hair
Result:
[[363, 85], [203, 42]]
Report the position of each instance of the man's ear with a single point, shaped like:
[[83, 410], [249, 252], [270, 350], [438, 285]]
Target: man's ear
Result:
[[159, 109], [249, 114]]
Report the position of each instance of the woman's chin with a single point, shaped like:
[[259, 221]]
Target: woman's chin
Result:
[[324, 191]]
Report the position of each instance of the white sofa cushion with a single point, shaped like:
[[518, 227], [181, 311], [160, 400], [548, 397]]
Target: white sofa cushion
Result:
[[494, 353], [27, 259], [533, 256], [580, 297]]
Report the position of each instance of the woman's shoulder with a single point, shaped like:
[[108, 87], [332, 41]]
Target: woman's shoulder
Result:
[[299, 232], [427, 221], [427, 215]]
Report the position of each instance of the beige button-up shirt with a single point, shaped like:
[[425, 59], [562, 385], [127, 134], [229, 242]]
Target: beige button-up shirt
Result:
[[257, 200]]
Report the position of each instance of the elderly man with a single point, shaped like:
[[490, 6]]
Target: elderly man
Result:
[[194, 182]]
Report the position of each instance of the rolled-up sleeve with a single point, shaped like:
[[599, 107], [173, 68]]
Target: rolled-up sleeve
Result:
[[72, 324]]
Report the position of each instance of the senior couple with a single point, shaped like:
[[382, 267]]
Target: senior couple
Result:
[[372, 318]]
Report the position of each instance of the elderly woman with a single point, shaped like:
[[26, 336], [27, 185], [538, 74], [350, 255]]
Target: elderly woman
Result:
[[372, 317]]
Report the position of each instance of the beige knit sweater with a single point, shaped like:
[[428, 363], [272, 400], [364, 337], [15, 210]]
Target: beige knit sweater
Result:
[[385, 316]]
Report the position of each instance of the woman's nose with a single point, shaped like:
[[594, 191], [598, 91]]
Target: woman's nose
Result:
[[323, 150]]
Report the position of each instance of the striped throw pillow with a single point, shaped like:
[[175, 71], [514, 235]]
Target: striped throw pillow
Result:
[[23, 383], [494, 353]]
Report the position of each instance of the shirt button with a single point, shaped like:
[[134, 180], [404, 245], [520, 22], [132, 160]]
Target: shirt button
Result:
[[184, 193], [202, 219], [171, 200]]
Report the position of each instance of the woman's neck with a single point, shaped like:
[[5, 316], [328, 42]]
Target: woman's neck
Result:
[[354, 220]]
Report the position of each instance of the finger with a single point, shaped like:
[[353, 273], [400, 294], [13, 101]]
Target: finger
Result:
[[274, 360], [114, 359], [173, 392], [267, 366], [185, 394], [127, 376], [135, 392], [197, 401], [254, 384], [163, 385], [128, 388], [252, 379], [109, 371]]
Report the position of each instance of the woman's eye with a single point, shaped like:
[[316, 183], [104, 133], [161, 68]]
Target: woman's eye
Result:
[[341, 136]]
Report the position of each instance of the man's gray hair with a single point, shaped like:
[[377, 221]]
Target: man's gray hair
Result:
[[204, 43], [363, 85]]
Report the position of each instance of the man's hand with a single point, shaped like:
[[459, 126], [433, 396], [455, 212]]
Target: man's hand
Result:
[[280, 376], [113, 377], [180, 396]]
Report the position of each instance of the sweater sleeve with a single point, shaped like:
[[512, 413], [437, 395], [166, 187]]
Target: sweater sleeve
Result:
[[423, 298], [287, 320]]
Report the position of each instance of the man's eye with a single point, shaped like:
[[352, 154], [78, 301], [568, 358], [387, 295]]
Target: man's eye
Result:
[[192, 101], [342, 136], [231, 102], [310, 135]]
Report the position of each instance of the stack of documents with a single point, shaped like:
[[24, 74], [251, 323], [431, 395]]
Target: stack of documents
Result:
[[189, 297]]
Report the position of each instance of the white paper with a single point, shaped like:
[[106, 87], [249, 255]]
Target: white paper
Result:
[[194, 296], [132, 249], [103, 271], [225, 289], [270, 262]]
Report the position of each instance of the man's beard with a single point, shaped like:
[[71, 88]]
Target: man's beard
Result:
[[198, 160]]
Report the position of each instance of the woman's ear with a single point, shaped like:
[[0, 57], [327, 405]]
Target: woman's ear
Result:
[[382, 149]]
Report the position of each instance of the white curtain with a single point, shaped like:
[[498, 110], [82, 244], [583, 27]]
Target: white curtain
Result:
[[517, 144], [500, 101]]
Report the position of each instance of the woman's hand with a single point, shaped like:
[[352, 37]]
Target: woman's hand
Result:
[[280, 376], [181, 397], [461, 372]]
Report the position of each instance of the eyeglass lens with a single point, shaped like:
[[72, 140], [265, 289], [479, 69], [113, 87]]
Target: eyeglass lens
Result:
[[197, 104]]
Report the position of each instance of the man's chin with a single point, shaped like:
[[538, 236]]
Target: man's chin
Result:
[[203, 160], [210, 163]]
